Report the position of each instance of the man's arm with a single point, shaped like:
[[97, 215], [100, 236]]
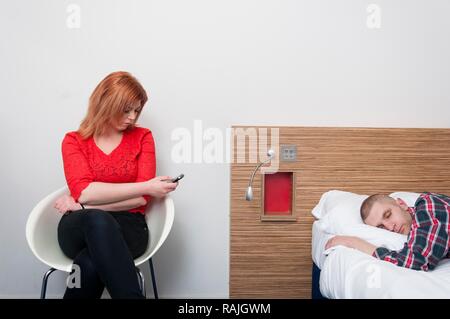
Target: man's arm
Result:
[[352, 242], [396, 257]]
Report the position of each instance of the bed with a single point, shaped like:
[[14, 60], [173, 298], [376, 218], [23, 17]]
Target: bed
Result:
[[348, 273], [341, 272], [274, 259]]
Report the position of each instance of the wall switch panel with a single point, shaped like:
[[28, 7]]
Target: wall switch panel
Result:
[[288, 153]]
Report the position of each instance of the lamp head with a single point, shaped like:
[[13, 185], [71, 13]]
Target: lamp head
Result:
[[249, 194]]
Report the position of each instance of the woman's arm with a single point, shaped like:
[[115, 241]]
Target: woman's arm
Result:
[[97, 193], [120, 206], [86, 190], [67, 203]]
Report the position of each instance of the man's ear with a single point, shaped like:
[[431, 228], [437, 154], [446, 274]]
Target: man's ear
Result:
[[402, 203]]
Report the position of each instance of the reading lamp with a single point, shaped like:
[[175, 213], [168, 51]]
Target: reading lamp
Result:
[[249, 193]]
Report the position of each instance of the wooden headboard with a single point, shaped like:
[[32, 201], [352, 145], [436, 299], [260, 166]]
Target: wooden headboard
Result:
[[273, 259]]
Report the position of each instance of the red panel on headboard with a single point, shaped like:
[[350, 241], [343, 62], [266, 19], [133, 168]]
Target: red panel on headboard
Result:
[[278, 193]]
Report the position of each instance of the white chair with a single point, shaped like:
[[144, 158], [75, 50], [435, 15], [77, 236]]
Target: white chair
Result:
[[42, 237]]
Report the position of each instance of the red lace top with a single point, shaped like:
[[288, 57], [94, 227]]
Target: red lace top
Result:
[[133, 160]]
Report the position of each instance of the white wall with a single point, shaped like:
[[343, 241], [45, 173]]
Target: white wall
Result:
[[313, 63]]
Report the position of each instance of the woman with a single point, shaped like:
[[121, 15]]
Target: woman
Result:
[[109, 165]]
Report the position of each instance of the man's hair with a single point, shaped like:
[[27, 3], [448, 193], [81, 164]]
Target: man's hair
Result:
[[367, 204]]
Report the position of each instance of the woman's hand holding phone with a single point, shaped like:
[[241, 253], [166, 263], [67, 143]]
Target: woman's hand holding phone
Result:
[[160, 186], [176, 179]]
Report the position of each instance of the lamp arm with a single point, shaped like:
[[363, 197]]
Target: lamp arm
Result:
[[257, 167]]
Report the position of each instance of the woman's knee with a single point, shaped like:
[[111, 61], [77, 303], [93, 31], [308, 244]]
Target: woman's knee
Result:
[[99, 219]]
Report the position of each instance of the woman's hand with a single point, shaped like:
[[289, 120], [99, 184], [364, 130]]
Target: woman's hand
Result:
[[160, 186], [351, 242], [66, 203]]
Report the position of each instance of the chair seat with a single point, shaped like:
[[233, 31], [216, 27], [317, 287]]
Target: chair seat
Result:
[[42, 230]]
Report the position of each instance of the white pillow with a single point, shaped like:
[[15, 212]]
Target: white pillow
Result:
[[408, 197], [339, 214], [340, 202]]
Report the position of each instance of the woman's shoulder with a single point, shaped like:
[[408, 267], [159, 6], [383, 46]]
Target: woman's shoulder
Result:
[[140, 132], [73, 137]]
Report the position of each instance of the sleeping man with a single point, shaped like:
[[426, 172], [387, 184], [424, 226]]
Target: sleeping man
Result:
[[426, 224]]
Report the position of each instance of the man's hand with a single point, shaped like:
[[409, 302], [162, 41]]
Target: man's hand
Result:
[[66, 203], [351, 242]]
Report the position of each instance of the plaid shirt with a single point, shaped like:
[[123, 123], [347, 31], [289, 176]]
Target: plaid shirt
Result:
[[429, 238]]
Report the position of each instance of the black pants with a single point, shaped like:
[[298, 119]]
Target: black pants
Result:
[[103, 245]]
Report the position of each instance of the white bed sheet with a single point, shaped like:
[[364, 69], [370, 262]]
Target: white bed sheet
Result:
[[348, 273], [319, 240]]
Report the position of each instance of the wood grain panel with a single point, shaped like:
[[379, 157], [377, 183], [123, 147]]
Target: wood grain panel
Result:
[[273, 259]]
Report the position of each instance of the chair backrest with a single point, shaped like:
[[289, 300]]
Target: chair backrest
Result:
[[159, 215], [42, 230]]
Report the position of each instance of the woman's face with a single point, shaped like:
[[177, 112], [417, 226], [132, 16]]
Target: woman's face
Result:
[[129, 117]]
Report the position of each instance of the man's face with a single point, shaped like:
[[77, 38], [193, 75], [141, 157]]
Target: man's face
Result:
[[391, 215]]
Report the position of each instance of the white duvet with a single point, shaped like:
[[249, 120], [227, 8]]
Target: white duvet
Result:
[[348, 273]]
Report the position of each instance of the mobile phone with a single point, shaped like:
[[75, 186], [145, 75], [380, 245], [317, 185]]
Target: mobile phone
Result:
[[176, 179]]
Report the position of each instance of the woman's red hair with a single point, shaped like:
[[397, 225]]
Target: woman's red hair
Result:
[[107, 104]]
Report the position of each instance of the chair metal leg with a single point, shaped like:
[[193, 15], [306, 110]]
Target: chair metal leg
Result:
[[44, 282], [155, 290], [141, 282]]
